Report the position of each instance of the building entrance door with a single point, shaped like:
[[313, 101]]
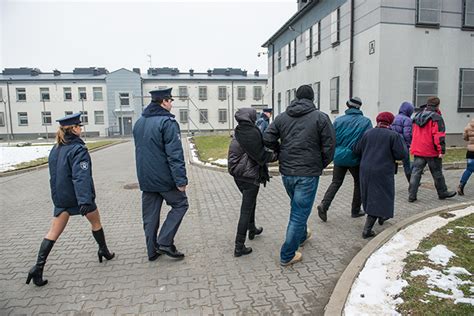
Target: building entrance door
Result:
[[127, 125]]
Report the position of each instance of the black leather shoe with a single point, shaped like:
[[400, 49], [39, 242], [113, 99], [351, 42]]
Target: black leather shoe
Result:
[[322, 213], [368, 234], [358, 214], [154, 257], [170, 251], [411, 199], [382, 220], [254, 232], [447, 195]]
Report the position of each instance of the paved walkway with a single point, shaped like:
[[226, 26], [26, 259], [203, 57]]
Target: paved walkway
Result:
[[210, 280]]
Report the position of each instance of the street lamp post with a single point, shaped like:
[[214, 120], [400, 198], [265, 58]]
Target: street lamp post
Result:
[[84, 125], [44, 117]]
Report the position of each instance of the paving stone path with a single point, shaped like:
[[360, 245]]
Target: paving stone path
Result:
[[210, 281]]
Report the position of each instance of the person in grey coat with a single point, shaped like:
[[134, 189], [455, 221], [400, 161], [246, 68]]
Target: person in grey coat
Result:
[[379, 147], [161, 174]]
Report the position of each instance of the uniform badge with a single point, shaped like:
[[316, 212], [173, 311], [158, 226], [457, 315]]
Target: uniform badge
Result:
[[84, 165]]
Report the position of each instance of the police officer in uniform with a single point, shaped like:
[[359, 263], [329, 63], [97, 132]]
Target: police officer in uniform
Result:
[[72, 191], [161, 173]]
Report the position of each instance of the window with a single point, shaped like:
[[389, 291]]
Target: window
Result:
[[222, 93], [468, 16], [288, 55], [222, 115], [22, 118], [293, 94], [183, 92], [293, 53], [202, 93], [44, 94], [183, 116], [279, 60], [2, 119], [428, 12], [66, 113], [317, 91], [67, 94], [288, 97], [335, 27], [317, 38], [99, 117], [334, 95], [241, 93], [84, 117], [257, 93], [97, 94], [279, 102], [466, 89], [82, 93], [308, 41], [124, 99], [425, 85], [203, 118], [46, 118], [21, 95]]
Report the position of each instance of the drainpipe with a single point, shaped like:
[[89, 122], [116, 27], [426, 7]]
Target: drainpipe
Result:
[[9, 110], [273, 81], [351, 57]]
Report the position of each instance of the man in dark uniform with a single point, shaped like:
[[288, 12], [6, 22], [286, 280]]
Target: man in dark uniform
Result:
[[264, 120], [161, 173]]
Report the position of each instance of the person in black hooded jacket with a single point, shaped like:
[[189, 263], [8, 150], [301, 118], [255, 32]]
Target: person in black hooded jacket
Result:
[[247, 163]]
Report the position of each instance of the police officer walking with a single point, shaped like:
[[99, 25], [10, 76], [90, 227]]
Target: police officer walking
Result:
[[161, 173], [72, 191]]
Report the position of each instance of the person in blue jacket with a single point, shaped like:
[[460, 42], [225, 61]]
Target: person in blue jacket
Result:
[[349, 129], [72, 191], [161, 174]]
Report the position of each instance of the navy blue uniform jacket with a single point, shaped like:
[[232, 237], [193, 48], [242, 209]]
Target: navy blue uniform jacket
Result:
[[158, 151], [70, 171]]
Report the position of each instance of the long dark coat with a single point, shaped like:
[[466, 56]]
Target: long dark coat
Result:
[[379, 148]]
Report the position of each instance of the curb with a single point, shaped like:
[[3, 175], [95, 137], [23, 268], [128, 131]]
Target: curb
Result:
[[45, 165], [343, 286]]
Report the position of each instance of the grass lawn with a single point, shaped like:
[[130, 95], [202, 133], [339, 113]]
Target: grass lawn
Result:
[[415, 297]]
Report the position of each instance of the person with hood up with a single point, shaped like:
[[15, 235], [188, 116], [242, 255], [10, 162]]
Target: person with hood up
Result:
[[305, 140], [379, 148], [247, 163], [402, 124], [428, 146], [468, 136]]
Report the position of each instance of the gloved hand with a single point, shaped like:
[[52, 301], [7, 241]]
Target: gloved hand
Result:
[[86, 208]]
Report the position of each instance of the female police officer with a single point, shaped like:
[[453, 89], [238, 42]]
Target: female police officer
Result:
[[72, 190]]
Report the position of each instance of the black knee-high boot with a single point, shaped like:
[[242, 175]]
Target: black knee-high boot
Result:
[[36, 272], [369, 224], [240, 248], [103, 250]]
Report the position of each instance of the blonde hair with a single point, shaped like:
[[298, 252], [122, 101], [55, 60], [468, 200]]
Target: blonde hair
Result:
[[61, 133]]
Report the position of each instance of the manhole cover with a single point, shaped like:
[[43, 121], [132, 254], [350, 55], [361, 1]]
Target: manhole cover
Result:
[[131, 186], [427, 185]]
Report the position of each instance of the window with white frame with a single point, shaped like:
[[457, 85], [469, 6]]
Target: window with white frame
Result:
[[316, 38], [257, 93], [67, 94], [279, 60], [241, 93], [183, 92], [84, 117], [222, 93], [335, 27], [293, 53], [293, 94], [466, 89], [22, 118], [222, 115], [203, 118], [46, 118], [66, 113], [308, 42], [279, 102], [288, 55], [428, 12], [99, 117], [124, 98], [21, 95], [317, 91], [82, 93], [288, 98], [183, 116], [425, 85], [468, 13], [202, 93], [334, 95], [44, 94], [97, 94], [2, 119]]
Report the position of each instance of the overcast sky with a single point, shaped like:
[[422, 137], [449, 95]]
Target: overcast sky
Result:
[[115, 34]]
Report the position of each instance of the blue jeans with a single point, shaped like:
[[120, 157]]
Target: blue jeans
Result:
[[302, 191], [467, 173]]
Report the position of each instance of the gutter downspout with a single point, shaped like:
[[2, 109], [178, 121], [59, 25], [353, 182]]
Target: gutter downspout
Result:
[[9, 110], [273, 81], [351, 57]]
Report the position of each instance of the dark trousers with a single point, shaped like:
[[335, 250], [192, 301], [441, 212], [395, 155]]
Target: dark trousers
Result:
[[247, 209], [436, 169], [151, 207], [338, 176]]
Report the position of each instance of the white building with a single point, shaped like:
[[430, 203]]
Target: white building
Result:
[[112, 102], [384, 51]]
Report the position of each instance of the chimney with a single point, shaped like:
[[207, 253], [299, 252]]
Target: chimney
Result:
[[56, 73], [136, 70], [96, 72], [209, 72], [256, 73], [154, 72], [35, 72], [191, 72], [227, 72], [244, 73]]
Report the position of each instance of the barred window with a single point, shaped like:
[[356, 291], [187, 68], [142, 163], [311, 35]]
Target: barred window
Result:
[[203, 118]]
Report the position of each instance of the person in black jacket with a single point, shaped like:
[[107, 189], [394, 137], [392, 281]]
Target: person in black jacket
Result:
[[72, 190], [247, 163], [305, 140]]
